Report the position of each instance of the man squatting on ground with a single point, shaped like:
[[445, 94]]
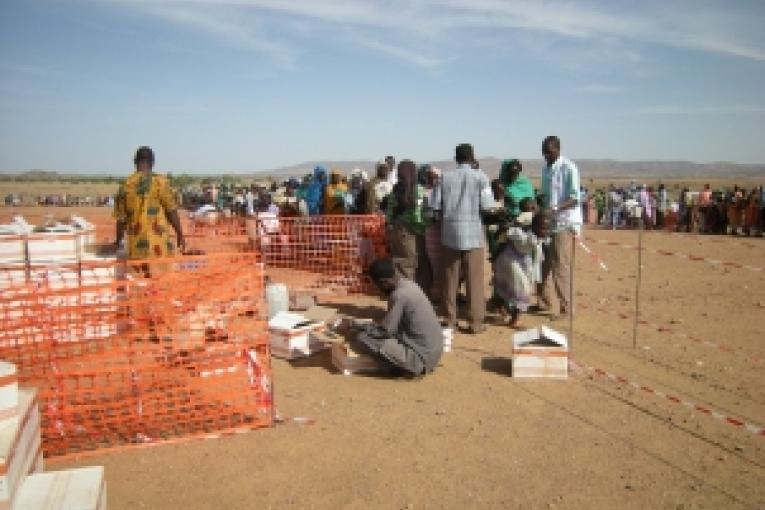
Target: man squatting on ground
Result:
[[410, 337]]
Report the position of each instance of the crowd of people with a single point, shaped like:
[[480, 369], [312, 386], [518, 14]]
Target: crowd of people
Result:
[[706, 211], [58, 200], [442, 225], [438, 225]]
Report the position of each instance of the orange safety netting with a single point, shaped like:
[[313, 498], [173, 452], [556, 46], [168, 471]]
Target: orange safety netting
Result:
[[321, 254], [216, 225], [139, 352]]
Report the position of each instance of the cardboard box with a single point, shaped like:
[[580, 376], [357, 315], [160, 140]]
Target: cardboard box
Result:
[[348, 361], [13, 249], [291, 336], [9, 390], [75, 489], [540, 352], [20, 446]]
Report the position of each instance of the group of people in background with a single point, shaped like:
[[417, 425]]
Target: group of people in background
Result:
[[706, 211], [58, 200]]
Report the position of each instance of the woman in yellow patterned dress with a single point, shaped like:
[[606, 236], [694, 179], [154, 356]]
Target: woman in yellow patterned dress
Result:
[[145, 208]]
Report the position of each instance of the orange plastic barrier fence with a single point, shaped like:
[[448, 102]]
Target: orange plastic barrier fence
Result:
[[139, 352], [321, 254], [216, 224]]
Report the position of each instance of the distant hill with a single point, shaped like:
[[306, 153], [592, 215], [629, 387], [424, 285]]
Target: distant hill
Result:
[[589, 168]]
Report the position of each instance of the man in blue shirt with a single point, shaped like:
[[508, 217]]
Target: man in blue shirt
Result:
[[460, 196]]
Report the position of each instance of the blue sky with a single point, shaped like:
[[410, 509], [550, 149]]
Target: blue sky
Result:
[[239, 85]]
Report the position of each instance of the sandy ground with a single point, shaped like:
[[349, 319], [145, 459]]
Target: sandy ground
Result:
[[471, 436]]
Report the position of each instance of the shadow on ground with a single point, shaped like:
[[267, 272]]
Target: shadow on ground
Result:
[[500, 366]]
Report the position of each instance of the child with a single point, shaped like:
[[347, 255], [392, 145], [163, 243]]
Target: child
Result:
[[528, 206], [517, 267]]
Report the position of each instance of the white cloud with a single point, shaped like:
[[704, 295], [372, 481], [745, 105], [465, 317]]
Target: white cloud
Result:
[[227, 26], [400, 53], [707, 26], [700, 110]]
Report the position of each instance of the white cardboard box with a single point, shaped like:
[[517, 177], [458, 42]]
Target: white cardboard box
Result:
[[540, 352], [350, 362], [74, 489], [9, 390], [291, 336], [20, 446]]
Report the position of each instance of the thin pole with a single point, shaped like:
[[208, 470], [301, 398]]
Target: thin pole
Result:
[[637, 283], [571, 295]]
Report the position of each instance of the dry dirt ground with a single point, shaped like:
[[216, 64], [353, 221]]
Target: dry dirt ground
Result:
[[471, 436]]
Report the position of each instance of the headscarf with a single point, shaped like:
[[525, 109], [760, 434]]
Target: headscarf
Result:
[[507, 165], [357, 180], [515, 191], [315, 193], [405, 190], [334, 196]]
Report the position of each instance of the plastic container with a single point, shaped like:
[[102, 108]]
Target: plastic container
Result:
[[278, 298]]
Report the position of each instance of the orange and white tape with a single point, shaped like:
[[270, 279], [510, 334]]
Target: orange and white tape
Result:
[[662, 328], [703, 409], [694, 258]]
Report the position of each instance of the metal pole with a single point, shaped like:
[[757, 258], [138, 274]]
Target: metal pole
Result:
[[637, 283], [571, 295]]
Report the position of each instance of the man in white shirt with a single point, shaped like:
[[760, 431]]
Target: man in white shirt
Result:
[[560, 188]]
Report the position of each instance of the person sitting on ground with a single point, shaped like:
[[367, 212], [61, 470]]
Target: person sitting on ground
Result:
[[518, 266], [410, 337]]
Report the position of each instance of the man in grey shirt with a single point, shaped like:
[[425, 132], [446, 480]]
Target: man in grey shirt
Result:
[[460, 196], [409, 337]]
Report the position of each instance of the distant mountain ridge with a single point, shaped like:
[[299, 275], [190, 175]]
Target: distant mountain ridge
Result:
[[588, 167]]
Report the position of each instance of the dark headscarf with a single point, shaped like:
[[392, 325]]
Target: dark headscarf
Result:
[[405, 189], [423, 174], [315, 193]]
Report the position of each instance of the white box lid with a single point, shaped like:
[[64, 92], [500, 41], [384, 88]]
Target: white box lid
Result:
[[542, 336], [287, 321]]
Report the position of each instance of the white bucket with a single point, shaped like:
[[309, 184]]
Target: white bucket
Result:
[[278, 298]]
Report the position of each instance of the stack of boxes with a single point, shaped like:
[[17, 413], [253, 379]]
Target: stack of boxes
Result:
[[22, 484], [20, 443]]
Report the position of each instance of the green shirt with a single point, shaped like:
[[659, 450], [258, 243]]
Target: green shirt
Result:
[[514, 193], [412, 218]]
